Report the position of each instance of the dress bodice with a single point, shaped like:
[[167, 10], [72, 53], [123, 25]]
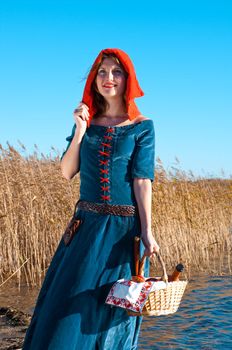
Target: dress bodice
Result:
[[111, 157]]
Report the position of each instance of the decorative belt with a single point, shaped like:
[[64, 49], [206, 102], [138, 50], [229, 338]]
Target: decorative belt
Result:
[[104, 208]]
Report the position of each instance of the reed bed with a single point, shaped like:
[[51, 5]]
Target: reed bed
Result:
[[191, 216]]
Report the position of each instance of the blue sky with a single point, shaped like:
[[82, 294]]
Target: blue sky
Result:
[[182, 53]]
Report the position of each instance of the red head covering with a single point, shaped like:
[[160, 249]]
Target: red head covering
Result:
[[132, 89]]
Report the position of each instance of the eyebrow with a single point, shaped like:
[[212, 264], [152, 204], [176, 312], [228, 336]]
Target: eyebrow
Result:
[[102, 66]]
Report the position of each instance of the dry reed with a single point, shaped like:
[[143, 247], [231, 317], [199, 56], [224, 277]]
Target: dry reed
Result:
[[191, 216]]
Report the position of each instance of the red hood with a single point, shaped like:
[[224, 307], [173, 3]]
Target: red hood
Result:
[[132, 89]]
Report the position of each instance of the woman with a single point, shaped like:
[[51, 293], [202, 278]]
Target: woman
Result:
[[112, 145]]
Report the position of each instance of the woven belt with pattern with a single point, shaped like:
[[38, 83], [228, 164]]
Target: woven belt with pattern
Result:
[[104, 208]]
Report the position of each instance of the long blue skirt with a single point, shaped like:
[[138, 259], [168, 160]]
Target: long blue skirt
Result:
[[70, 312]]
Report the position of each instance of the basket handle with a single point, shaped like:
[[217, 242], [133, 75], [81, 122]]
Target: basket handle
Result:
[[160, 259]]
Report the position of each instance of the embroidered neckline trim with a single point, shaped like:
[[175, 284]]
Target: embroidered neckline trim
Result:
[[122, 126]]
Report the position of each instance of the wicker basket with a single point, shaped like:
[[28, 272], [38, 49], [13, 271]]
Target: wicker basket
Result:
[[161, 302]]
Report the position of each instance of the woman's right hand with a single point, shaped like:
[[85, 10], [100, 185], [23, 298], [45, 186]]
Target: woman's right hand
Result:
[[81, 116], [151, 246]]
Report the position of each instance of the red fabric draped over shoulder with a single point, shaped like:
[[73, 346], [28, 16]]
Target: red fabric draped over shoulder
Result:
[[133, 89]]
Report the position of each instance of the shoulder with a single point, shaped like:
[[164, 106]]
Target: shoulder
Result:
[[145, 131], [145, 123], [140, 118]]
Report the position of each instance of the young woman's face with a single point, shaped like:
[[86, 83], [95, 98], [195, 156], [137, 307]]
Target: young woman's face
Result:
[[110, 79]]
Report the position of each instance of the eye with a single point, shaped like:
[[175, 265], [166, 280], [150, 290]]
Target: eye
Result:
[[118, 72], [101, 72]]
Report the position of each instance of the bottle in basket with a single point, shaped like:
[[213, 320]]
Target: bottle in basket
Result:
[[176, 273]]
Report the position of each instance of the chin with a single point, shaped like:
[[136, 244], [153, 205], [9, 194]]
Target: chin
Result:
[[112, 95]]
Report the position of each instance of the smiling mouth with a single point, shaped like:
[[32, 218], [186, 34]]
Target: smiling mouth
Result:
[[109, 86]]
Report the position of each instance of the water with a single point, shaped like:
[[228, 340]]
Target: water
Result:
[[203, 320]]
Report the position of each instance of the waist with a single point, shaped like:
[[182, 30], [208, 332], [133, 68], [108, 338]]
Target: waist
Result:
[[105, 208]]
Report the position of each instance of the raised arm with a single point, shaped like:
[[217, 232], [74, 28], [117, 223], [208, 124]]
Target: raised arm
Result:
[[70, 162]]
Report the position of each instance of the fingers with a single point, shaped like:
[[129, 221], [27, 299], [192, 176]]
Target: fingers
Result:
[[152, 250], [82, 111], [151, 246], [156, 248], [81, 106]]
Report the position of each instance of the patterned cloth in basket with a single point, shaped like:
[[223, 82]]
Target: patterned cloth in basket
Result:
[[132, 295]]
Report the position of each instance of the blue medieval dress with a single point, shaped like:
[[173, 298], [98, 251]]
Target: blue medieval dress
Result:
[[70, 312]]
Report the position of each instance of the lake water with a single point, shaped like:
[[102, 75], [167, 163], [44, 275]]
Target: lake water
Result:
[[203, 320]]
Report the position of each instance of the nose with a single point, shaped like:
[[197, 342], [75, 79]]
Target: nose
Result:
[[110, 75]]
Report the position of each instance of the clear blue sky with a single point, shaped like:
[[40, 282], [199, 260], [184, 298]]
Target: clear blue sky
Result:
[[182, 53]]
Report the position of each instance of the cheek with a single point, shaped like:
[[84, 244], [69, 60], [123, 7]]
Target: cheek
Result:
[[123, 85], [98, 83]]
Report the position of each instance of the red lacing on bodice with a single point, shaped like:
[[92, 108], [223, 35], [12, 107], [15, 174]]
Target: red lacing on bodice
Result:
[[104, 179], [107, 137], [104, 162], [104, 171], [105, 148], [105, 144], [102, 153]]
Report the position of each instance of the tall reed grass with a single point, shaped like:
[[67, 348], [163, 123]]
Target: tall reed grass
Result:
[[191, 216]]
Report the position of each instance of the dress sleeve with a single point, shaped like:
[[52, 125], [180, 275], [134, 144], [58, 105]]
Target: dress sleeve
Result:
[[143, 163], [69, 139]]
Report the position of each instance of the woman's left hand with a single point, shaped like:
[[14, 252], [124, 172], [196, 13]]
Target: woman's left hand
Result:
[[151, 246]]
